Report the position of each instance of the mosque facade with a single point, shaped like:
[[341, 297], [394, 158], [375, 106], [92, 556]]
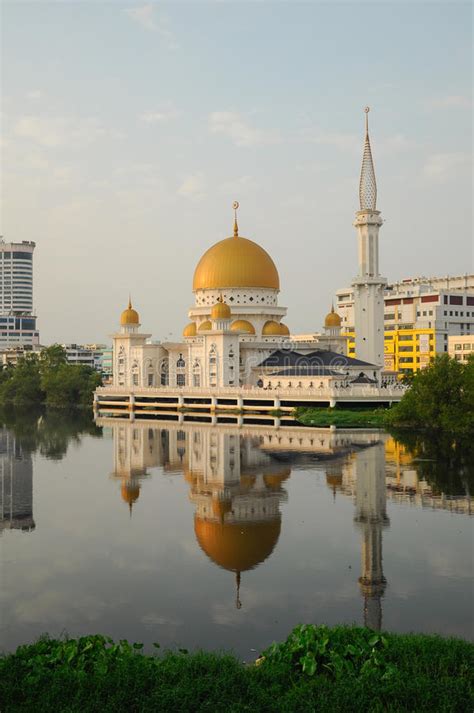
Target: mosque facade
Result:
[[237, 329]]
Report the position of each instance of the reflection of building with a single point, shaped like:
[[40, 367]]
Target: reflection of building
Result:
[[135, 450], [371, 518], [16, 485], [237, 490]]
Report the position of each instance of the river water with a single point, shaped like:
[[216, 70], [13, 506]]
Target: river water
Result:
[[225, 536]]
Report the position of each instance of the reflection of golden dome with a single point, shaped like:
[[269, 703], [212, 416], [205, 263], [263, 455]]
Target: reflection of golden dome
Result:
[[237, 546], [130, 492], [129, 315], [334, 480], [205, 326], [242, 325], [274, 480], [221, 310], [332, 319], [221, 507], [235, 262], [190, 330]]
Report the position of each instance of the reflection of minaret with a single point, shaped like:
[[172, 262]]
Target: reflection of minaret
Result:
[[237, 492], [16, 485], [371, 517], [135, 450]]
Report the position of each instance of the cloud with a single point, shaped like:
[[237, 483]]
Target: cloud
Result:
[[441, 167], [193, 186], [34, 94], [236, 128], [341, 141], [448, 101], [166, 113], [145, 16], [56, 132]]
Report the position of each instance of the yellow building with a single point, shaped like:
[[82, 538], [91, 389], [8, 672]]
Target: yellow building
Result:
[[405, 350]]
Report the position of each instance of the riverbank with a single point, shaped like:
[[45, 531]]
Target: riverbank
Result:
[[344, 418], [317, 668]]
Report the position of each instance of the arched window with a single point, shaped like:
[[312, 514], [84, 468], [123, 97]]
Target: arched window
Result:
[[135, 373], [164, 373], [121, 366], [150, 375], [180, 371], [197, 373], [213, 365]]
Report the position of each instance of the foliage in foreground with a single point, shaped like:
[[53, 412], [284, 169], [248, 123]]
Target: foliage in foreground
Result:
[[441, 398], [48, 378], [317, 668]]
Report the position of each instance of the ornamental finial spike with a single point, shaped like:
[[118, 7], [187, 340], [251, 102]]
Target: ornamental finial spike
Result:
[[235, 206], [367, 184], [129, 301]]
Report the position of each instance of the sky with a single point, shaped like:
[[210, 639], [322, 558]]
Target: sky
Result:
[[130, 128]]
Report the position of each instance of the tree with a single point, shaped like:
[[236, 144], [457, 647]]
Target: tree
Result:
[[441, 398]]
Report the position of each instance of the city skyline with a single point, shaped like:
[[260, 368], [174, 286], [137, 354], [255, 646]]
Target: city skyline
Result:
[[133, 153]]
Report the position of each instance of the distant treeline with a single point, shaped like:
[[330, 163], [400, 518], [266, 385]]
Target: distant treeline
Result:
[[47, 378]]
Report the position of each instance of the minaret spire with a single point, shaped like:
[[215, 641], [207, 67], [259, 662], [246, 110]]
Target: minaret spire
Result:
[[367, 184]]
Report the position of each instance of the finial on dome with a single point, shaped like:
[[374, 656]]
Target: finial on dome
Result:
[[235, 206], [129, 301], [367, 183]]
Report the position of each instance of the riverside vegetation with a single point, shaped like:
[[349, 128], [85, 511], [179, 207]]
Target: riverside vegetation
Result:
[[316, 668], [47, 378], [440, 399]]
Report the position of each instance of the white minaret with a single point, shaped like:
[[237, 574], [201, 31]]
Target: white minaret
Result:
[[368, 285]]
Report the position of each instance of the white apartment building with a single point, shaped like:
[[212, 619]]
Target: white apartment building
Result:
[[420, 314], [85, 354], [461, 347], [17, 319]]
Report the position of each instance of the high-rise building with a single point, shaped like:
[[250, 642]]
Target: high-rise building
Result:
[[421, 314], [368, 286], [17, 318]]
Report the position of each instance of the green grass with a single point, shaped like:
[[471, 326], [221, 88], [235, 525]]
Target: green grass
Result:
[[316, 669], [344, 418]]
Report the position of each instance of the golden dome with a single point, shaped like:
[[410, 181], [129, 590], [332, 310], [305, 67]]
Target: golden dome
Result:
[[242, 325], [205, 326], [130, 492], [190, 330], [235, 262], [221, 310], [272, 328], [129, 315], [237, 546], [332, 319]]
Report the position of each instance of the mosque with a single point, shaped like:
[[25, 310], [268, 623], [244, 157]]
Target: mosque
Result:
[[237, 336]]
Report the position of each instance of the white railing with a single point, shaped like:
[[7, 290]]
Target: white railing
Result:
[[389, 392]]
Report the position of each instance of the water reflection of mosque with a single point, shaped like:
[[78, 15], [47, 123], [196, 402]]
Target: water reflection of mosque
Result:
[[16, 485], [237, 477]]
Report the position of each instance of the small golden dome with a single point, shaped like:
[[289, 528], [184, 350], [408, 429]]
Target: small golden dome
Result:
[[237, 546], [190, 330], [221, 310], [235, 262], [205, 326], [273, 481], [129, 315], [130, 492], [242, 325], [332, 319], [272, 328]]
